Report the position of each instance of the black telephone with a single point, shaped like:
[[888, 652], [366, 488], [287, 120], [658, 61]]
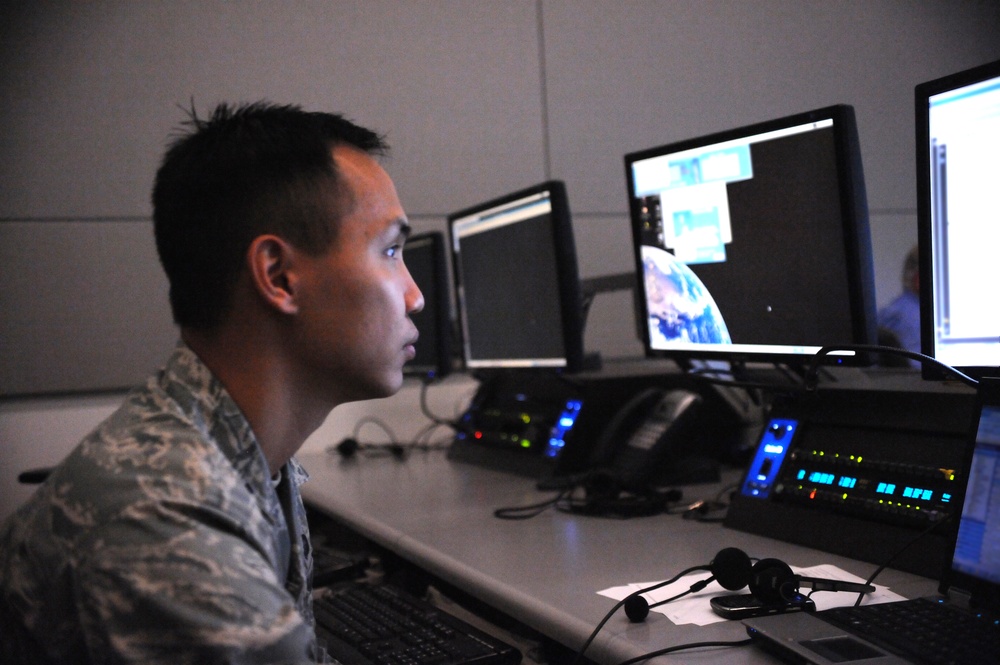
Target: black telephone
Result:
[[641, 436]]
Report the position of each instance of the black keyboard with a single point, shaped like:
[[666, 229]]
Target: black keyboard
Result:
[[926, 630], [383, 625]]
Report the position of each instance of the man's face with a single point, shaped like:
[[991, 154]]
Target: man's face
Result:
[[354, 332]]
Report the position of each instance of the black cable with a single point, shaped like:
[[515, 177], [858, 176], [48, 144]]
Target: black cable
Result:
[[694, 587], [897, 553], [810, 378], [811, 375], [423, 441], [528, 511], [682, 647], [621, 603], [348, 447], [623, 505], [711, 375], [378, 422], [425, 409]]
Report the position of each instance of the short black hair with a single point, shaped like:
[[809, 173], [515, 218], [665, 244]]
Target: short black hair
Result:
[[246, 170]]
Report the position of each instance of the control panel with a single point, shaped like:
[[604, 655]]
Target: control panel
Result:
[[519, 424], [861, 474], [850, 478], [524, 425], [548, 426]]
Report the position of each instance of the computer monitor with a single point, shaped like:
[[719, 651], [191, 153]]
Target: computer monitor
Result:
[[958, 219], [426, 259], [516, 281], [752, 245]]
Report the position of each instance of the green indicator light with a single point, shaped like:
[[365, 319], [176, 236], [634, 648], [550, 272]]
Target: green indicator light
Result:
[[525, 443]]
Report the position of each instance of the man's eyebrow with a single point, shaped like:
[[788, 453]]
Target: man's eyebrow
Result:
[[404, 227]]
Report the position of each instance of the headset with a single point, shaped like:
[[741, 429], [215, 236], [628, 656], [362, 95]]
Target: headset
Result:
[[770, 580], [730, 567]]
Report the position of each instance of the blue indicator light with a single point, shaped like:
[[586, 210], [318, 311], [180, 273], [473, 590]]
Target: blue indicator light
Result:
[[821, 478], [801, 475], [565, 423], [946, 498], [847, 481], [772, 448], [918, 493]]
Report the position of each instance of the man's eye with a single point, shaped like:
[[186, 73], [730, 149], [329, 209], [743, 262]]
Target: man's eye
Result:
[[395, 251]]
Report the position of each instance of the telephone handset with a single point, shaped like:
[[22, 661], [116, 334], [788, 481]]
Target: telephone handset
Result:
[[642, 435]]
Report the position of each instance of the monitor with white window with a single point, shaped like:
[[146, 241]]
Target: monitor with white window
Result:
[[958, 217]]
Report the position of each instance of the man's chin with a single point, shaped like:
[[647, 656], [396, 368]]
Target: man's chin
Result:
[[385, 386]]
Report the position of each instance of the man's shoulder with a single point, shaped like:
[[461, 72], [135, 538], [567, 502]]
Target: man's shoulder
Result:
[[148, 451]]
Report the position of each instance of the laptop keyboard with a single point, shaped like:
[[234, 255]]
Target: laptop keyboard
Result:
[[382, 625], [927, 631]]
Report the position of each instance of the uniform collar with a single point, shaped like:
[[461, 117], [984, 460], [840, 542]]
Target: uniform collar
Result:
[[203, 397]]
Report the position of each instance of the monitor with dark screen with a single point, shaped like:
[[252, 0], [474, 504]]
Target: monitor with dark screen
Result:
[[425, 256], [958, 219], [753, 245], [516, 281]]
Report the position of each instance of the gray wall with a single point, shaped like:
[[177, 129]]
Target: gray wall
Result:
[[478, 97]]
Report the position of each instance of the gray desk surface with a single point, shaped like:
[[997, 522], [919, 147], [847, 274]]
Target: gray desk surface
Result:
[[545, 571]]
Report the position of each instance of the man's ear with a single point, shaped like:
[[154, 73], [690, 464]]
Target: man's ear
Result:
[[271, 260]]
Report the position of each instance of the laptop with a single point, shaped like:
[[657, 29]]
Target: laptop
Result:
[[969, 587]]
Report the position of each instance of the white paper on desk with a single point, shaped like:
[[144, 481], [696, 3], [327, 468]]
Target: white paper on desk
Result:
[[695, 608]]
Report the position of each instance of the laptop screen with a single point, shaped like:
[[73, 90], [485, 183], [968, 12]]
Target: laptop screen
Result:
[[976, 561], [977, 550]]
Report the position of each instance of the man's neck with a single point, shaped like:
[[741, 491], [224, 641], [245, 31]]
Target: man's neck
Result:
[[262, 385]]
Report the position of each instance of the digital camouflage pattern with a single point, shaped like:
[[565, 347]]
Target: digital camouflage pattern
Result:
[[157, 541]]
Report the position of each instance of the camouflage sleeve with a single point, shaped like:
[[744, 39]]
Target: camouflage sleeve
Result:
[[182, 583]]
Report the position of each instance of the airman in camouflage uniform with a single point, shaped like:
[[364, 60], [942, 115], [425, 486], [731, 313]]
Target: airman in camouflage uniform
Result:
[[175, 532], [165, 515]]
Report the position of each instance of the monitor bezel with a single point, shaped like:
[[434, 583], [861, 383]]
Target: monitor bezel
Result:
[[855, 233], [569, 285], [441, 314], [922, 94]]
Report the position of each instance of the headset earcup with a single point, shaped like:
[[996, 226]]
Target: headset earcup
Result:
[[766, 579], [731, 568]]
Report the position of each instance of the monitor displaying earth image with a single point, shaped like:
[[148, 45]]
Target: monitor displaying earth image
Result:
[[681, 310]]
